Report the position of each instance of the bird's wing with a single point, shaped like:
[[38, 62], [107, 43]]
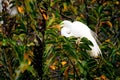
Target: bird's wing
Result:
[[80, 30], [95, 36]]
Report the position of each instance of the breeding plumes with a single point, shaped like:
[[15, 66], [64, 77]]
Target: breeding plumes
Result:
[[78, 29]]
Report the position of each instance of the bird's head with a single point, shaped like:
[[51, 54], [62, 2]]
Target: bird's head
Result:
[[65, 28], [65, 23]]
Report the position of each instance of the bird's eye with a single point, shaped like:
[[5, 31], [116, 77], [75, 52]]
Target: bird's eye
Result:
[[69, 32]]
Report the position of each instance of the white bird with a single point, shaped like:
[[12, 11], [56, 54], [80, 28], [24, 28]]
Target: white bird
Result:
[[78, 29]]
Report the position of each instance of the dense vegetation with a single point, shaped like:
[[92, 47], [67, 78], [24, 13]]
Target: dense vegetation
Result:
[[31, 47]]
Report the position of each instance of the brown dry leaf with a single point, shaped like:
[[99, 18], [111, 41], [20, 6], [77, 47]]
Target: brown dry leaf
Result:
[[28, 56], [44, 14], [103, 77], [0, 28], [53, 67], [0, 43], [55, 62], [20, 9], [66, 72], [1, 65], [109, 23], [25, 56], [106, 22], [82, 16], [101, 23]]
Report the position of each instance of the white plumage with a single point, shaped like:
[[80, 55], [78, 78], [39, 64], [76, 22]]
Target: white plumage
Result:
[[78, 29]]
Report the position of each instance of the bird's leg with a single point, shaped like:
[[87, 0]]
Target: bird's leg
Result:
[[78, 41]]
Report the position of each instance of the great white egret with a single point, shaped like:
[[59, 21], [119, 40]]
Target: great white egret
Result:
[[78, 29]]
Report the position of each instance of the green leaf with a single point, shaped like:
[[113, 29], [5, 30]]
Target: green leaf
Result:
[[4, 42], [20, 50], [100, 9]]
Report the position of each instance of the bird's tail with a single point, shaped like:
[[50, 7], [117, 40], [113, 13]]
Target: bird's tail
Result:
[[95, 52]]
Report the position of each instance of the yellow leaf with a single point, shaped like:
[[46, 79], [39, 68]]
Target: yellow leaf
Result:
[[53, 67], [20, 9], [51, 21], [64, 7], [109, 23], [44, 14], [31, 44], [57, 26], [23, 66], [74, 9], [82, 16], [29, 61], [117, 3], [63, 63], [108, 40], [33, 27], [93, 1]]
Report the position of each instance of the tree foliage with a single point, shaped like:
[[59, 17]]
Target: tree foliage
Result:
[[31, 47]]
